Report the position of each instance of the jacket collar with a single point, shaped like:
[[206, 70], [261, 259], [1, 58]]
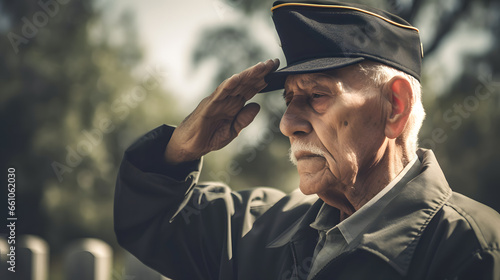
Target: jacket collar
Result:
[[394, 234], [299, 229]]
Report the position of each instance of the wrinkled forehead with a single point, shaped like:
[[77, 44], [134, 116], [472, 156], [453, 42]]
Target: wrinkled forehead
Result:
[[310, 81], [350, 76]]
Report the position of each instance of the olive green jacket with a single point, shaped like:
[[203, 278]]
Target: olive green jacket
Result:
[[187, 230]]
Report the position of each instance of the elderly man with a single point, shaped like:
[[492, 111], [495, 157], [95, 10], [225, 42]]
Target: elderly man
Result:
[[380, 207]]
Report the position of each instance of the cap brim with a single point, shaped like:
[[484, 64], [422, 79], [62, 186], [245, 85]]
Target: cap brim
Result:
[[276, 80]]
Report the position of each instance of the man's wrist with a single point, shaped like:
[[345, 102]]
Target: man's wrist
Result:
[[174, 156]]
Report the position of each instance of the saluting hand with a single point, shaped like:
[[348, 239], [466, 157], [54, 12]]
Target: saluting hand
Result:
[[220, 117]]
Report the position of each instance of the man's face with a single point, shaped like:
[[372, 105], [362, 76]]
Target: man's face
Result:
[[342, 119]]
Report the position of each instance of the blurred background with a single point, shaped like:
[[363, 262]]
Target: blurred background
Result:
[[81, 80]]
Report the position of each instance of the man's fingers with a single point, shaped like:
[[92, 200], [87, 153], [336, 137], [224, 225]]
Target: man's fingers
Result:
[[245, 117], [261, 69], [253, 81], [232, 82], [276, 65], [227, 86], [249, 81]]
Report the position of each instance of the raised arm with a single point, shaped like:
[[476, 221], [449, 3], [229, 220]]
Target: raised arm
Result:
[[220, 117], [162, 216]]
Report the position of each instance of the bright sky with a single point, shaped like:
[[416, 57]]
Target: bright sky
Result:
[[168, 31]]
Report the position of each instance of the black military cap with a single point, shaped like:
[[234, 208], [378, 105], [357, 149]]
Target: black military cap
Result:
[[323, 35]]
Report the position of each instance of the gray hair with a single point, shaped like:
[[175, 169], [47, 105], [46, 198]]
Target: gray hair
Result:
[[381, 74]]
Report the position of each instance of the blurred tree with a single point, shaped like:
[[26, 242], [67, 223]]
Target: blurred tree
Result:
[[463, 125], [470, 146], [74, 96], [232, 46]]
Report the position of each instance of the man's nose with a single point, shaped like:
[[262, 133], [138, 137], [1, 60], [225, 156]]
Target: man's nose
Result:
[[294, 122]]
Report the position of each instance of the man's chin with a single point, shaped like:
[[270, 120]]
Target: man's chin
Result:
[[316, 181], [311, 165], [310, 183], [307, 190]]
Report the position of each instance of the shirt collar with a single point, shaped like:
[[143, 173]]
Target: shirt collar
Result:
[[394, 234], [357, 222], [396, 230]]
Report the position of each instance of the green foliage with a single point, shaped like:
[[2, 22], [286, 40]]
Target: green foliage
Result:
[[232, 46]]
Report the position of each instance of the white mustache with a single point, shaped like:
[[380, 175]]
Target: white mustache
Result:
[[297, 146]]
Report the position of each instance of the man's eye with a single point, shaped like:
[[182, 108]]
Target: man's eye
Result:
[[316, 95]]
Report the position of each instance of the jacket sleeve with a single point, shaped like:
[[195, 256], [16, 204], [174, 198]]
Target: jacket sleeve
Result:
[[180, 228], [482, 265]]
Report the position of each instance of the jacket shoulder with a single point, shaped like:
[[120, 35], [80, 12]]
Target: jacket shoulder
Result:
[[469, 237], [482, 220], [282, 216]]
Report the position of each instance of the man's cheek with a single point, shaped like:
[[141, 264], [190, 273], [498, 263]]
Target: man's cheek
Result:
[[333, 167], [347, 166]]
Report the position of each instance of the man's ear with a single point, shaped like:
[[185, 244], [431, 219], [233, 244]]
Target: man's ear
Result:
[[400, 95]]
